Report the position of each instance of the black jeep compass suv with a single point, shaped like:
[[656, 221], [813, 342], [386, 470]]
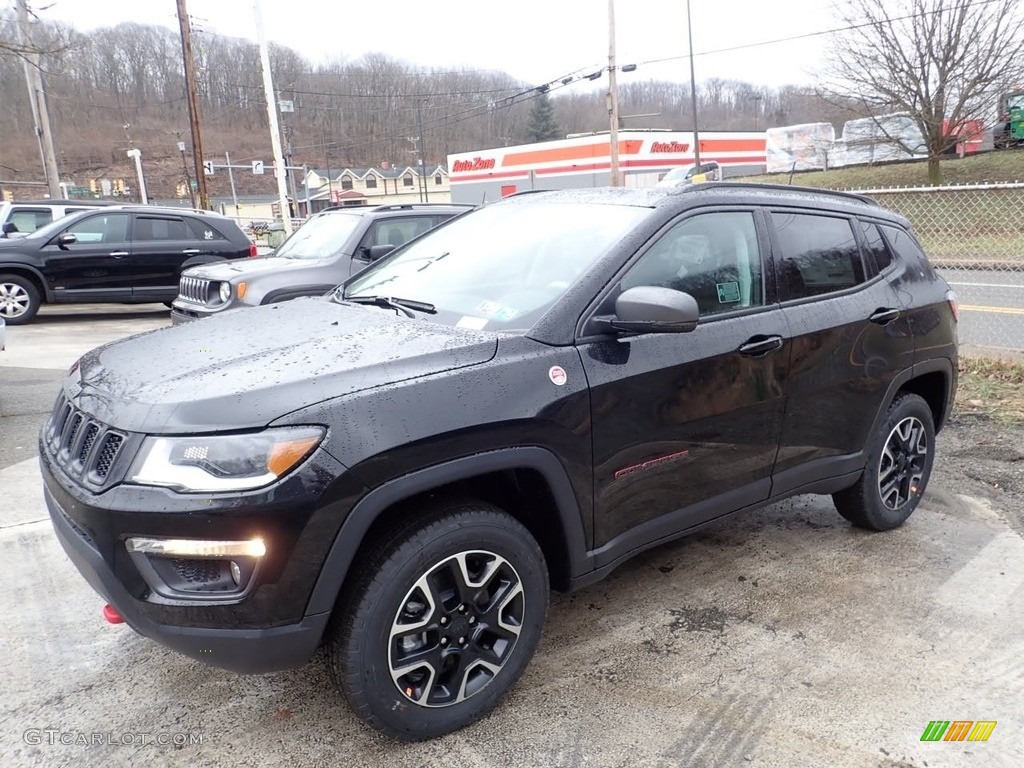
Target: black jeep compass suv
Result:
[[526, 396]]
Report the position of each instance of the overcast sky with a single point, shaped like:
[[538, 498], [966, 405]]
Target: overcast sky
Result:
[[535, 40]]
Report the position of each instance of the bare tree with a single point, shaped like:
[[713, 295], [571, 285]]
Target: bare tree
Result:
[[942, 62]]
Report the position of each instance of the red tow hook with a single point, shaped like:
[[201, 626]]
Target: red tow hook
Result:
[[110, 614]]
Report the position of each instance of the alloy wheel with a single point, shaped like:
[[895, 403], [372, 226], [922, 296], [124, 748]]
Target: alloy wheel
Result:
[[456, 628], [902, 463], [14, 300]]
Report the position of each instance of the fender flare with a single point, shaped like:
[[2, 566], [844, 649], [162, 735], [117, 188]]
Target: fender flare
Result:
[[353, 530], [296, 292], [941, 365], [18, 267]]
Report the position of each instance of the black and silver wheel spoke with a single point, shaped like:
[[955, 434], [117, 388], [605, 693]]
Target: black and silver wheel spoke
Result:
[[456, 628], [901, 466]]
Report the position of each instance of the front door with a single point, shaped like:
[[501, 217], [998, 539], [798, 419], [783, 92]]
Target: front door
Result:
[[97, 266], [686, 425]]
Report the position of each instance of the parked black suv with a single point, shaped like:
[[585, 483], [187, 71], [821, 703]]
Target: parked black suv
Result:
[[127, 255], [528, 395], [326, 250]]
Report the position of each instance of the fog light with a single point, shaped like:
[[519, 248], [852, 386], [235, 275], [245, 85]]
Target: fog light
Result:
[[196, 547]]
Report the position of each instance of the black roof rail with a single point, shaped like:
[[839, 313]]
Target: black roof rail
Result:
[[785, 188], [410, 206]]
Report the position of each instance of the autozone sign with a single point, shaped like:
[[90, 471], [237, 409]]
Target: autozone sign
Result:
[[669, 146], [476, 164]]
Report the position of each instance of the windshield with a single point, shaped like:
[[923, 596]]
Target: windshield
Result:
[[320, 237], [502, 266]]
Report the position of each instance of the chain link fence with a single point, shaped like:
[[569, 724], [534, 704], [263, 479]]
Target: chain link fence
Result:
[[974, 235]]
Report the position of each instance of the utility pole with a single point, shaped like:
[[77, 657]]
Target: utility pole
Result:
[[613, 98], [288, 164], [275, 133], [693, 90], [37, 98], [231, 178], [425, 196], [193, 103]]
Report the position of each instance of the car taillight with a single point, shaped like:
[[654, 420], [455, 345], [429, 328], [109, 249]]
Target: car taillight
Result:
[[252, 251], [953, 306]]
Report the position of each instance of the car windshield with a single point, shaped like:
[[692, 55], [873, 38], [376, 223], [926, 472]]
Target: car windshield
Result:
[[320, 237], [502, 266]]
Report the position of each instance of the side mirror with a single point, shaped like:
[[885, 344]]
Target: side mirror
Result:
[[9, 227], [653, 309], [63, 241], [379, 251]]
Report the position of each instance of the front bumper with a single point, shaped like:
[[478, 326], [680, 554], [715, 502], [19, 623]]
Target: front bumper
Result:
[[239, 650], [263, 630]]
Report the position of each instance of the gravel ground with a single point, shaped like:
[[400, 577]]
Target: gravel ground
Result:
[[979, 457]]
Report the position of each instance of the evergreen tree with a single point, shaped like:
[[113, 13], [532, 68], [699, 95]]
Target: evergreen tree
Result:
[[542, 126]]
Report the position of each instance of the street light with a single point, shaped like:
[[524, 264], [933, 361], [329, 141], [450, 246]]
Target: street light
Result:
[[137, 156], [188, 181]]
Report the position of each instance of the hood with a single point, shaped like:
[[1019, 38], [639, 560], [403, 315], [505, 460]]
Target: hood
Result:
[[239, 269], [247, 368]]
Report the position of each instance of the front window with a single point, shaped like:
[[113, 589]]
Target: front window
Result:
[[320, 237], [407, 180], [371, 182], [502, 266], [346, 182], [107, 228]]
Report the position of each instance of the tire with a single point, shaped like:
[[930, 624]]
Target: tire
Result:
[[19, 299], [899, 463], [461, 588]]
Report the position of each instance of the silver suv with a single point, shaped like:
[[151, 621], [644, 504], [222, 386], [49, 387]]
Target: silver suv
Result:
[[23, 217], [325, 251]]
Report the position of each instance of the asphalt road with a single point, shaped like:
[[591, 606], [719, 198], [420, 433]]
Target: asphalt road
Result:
[[991, 307], [781, 637]]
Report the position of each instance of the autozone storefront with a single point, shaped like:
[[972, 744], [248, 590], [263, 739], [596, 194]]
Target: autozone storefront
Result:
[[585, 161]]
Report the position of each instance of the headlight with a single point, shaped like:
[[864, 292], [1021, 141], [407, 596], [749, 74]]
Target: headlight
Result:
[[225, 292], [223, 462]]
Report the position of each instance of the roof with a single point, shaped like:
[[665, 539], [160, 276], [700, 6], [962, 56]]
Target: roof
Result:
[[361, 172]]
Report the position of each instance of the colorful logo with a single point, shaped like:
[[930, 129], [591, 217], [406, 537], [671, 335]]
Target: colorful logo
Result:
[[958, 730]]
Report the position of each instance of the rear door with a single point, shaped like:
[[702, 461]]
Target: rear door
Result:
[[97, 266], [160, 244], [847, 343]]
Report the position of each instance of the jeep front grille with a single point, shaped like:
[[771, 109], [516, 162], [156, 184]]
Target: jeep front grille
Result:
[[82, 446], [194, 289]]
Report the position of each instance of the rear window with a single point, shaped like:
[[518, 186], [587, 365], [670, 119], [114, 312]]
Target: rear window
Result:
[[203, 230], [816, 254], [876, 245], [906, 248]]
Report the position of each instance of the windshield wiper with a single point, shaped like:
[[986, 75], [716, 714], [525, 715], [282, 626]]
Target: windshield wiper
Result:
[[389, 302]]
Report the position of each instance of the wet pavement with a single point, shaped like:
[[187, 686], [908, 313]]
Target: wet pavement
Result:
[[781, 637]]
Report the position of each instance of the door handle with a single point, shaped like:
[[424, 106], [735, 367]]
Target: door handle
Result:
[[191, 251], [758, 346], [884, 316], [119, 254]]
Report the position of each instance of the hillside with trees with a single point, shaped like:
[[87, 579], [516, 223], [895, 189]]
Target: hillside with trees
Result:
[[123, 87]]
